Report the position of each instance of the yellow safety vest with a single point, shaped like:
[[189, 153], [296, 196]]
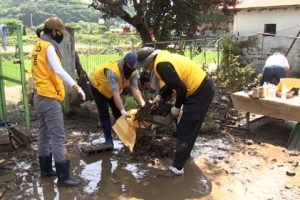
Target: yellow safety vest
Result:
[[46, 82], [188, 71], [100, 81]]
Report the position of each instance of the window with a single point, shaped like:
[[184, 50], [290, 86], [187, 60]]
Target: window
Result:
[[270, 28]]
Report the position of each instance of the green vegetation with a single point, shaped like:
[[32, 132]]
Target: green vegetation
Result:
[[205, 57], [130, 103], [232, 72], [11, 70], [92, 62], [167, 18], [39, 10]]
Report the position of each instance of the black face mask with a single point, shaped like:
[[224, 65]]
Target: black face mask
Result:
[[58, 38], [127, 71]]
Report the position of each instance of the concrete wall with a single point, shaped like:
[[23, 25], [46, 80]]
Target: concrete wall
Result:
[[68, 62], [255, 48]]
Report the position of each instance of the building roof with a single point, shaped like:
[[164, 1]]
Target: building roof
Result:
[[254, 4]]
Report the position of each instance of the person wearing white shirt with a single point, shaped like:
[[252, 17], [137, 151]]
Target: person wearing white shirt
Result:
[[276, 67], [48, 76]]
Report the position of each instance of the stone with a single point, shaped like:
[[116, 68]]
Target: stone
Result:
[[249, 142], [94, 149], [288, 186], [8, 176], [291, 173]]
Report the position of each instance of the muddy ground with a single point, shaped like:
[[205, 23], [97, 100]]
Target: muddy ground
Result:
[[237, 164]]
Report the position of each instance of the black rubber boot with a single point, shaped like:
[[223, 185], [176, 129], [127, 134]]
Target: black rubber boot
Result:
[[63, 177], [106, 127], [46, 166]]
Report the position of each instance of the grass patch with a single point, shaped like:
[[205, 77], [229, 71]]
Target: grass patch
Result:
[[205, 57], [91, 62], [11, 70]]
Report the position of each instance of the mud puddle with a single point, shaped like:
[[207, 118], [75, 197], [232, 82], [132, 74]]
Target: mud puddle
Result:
[[106, 176], [229, 165], [118, 174]]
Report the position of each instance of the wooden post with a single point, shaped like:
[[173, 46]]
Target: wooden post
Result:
[[68, 62]]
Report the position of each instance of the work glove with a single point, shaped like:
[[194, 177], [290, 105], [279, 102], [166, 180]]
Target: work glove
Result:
[[175, 111], [124, 113], [141, 105], [81, 93], [155, 102]]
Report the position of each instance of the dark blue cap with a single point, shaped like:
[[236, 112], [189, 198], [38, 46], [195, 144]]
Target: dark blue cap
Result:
[[131, 59]]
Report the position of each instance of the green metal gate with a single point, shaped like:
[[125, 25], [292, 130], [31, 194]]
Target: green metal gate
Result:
[[13, 98]]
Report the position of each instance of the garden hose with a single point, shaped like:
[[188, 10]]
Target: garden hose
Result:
[[8, 124]]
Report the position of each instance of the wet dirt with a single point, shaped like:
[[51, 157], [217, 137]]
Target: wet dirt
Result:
[[158, 114], [232, 164]]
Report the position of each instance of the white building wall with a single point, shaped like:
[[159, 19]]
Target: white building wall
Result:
[[252, 22], [255, 49]]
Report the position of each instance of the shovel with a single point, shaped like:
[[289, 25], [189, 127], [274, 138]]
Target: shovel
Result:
[[294, 139]]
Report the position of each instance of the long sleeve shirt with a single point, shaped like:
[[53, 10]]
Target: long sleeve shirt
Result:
[[55, 65], [172, 82]]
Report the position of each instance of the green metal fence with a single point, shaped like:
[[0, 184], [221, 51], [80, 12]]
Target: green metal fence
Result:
[[13, 89]]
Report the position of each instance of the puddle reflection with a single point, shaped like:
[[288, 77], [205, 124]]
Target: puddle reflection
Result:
[[107, 176]]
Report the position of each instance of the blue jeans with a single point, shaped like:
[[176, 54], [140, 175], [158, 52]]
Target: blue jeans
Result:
[[270, 72]]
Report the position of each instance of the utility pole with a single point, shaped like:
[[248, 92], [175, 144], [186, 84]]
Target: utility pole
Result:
[[31, 25]]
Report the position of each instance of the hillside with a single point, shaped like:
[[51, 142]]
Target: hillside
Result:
[[35, 11]]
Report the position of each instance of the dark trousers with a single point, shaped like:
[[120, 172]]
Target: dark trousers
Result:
[[102, 104], [272, 72], [194, 110]]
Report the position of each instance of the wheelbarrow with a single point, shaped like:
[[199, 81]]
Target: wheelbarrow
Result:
[[5, 127]]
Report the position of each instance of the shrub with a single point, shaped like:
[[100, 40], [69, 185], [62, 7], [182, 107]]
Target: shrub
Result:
[[231, 72], [130, 103]]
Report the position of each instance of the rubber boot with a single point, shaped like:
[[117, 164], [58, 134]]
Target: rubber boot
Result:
[[106, 127], [63, 177], [46, 166]]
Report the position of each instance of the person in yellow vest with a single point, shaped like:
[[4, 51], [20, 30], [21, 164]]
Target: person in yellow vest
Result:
[[106, 84], [48, 76], [194, 91]]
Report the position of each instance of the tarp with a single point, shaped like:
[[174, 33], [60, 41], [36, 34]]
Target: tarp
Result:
[[125, 128]]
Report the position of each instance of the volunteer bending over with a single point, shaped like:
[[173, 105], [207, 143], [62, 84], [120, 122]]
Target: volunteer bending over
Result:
[[106, 84], [194, 90]]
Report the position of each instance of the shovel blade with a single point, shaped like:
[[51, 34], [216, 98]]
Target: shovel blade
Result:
[[294, 139]]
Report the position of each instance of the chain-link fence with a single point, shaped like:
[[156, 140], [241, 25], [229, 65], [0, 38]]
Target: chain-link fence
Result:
[[95, 50]]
